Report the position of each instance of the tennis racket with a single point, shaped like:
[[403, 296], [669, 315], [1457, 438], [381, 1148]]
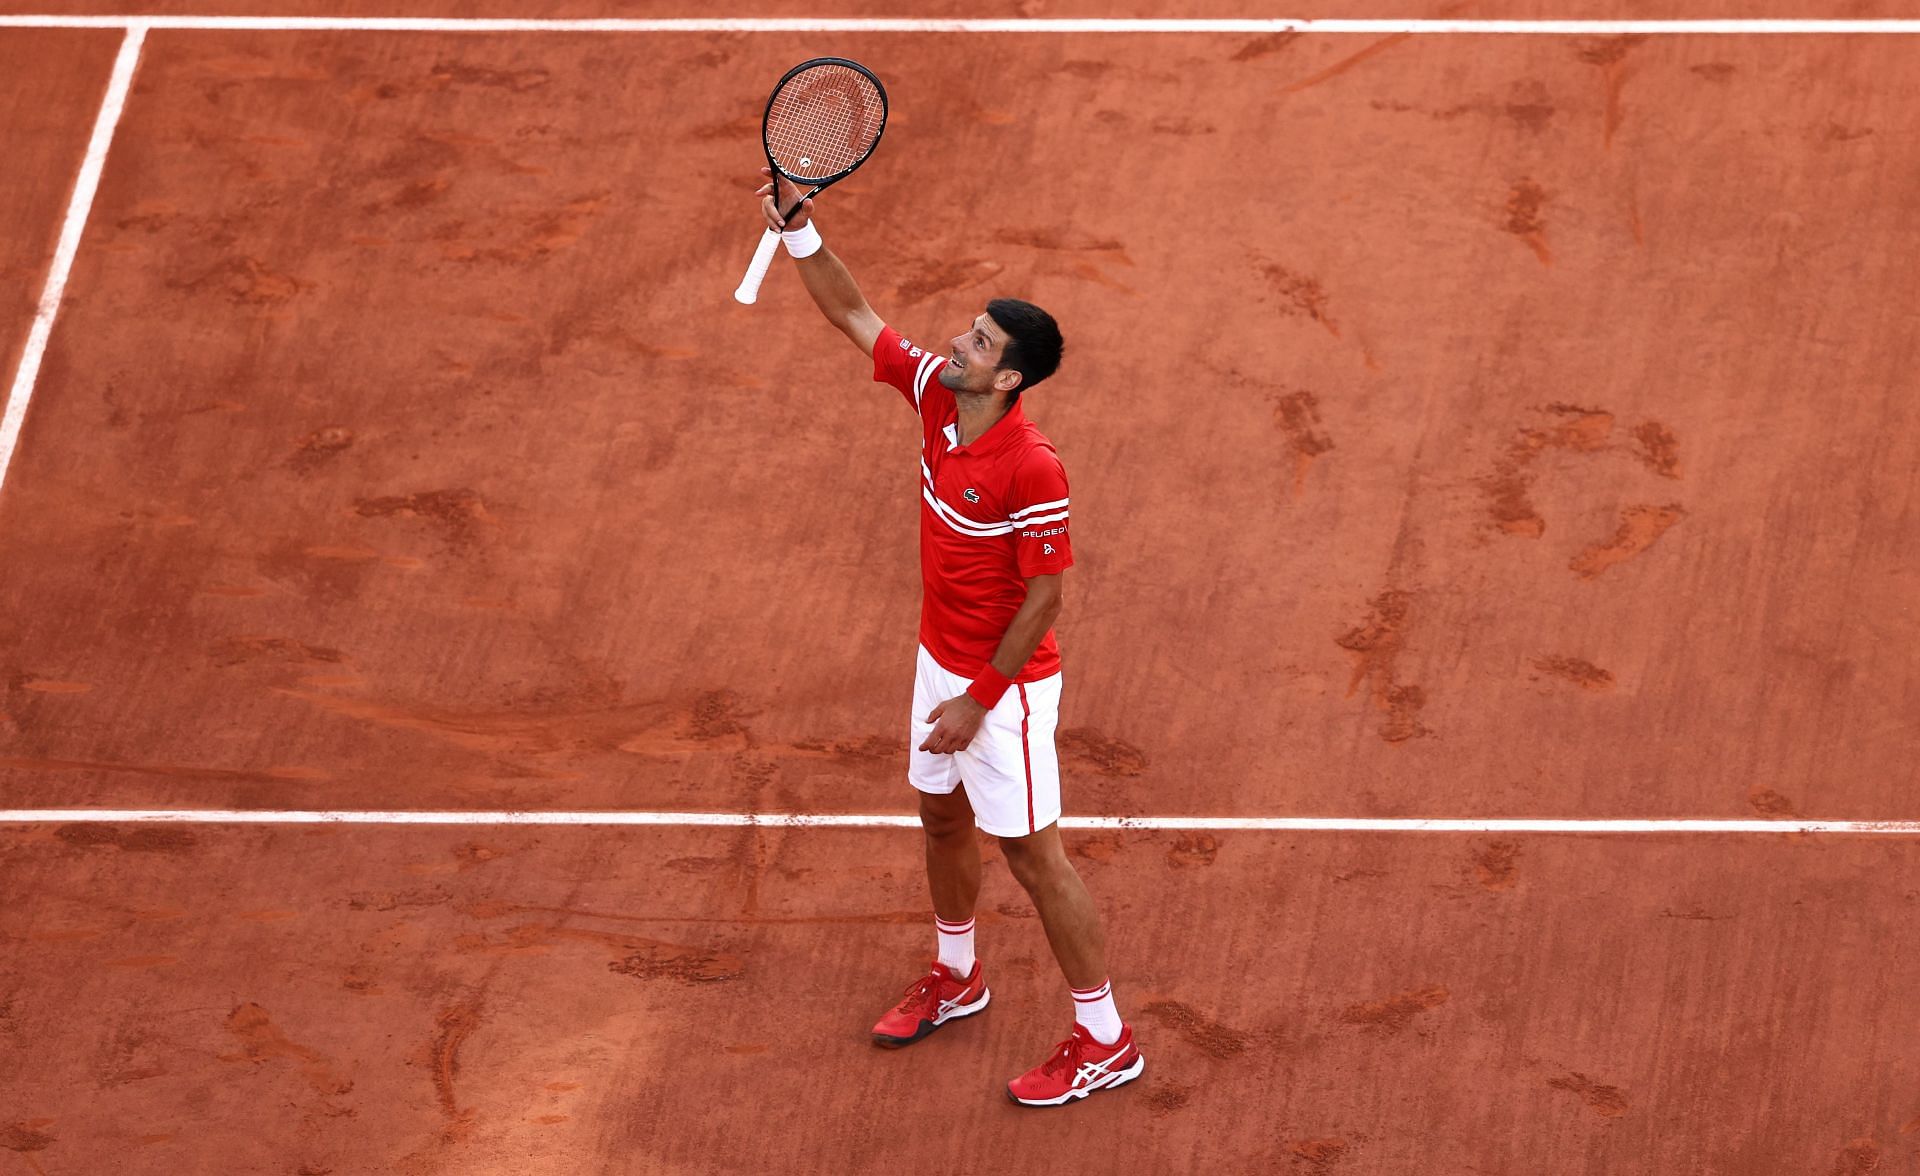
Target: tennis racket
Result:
[[823, 120]]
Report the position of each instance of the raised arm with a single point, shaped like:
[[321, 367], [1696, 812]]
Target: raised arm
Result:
[[832, 287]]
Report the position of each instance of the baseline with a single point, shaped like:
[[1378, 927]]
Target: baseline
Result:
[[1059, 25], [907, 821]]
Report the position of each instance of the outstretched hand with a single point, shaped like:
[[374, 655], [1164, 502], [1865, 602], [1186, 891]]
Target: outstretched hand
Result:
[[788, 195], [955, 722]]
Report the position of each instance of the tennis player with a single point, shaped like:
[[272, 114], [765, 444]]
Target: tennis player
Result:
[[994, 547]]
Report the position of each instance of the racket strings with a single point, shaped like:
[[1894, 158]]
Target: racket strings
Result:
[[824, 121], [821, 137]]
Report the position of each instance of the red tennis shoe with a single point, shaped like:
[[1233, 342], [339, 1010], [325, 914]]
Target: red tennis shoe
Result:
[[1079, 1066], [930, 1002]]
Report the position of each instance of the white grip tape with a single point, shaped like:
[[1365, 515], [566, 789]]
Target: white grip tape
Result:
[[749, 290]]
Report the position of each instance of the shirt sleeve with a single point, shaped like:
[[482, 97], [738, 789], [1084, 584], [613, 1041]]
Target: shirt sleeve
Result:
[[1042, 543], [906, 367]]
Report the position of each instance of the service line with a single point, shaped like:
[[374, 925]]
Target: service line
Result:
[[907, 821], [75, 224], [1063, 25]]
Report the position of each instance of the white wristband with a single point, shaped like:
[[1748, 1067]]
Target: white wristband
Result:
[[803, 241]]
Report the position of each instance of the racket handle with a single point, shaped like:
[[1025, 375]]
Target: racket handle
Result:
[[749, 289]]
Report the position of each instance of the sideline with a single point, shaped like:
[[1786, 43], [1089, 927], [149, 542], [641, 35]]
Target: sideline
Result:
[[71, 229]]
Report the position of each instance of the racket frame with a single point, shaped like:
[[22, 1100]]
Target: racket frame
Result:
[[821, 184]]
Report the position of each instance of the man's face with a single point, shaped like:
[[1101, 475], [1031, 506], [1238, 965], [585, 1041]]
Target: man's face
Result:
[[973, 361]]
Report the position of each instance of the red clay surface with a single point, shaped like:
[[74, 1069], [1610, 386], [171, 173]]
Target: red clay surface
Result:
[[45, 118], [491, 1001], [1505, 431], [1491, 427]]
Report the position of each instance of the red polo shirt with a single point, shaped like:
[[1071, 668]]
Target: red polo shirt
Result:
[[991, 514]]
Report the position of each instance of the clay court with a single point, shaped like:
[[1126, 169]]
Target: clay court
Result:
[[456, 660]]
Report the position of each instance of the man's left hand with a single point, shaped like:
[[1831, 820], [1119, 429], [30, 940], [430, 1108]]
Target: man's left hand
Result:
[[955, 722]]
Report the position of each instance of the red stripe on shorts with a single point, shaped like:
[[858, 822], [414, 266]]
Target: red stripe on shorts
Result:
[[1025, 753]]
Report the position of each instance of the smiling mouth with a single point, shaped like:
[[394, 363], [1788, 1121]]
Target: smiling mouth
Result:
[[955, 361]]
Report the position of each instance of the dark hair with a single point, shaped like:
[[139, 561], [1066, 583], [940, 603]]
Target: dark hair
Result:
[[1033, 341]]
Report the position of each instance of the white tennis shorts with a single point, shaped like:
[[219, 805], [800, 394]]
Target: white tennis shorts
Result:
[[1010, 770]]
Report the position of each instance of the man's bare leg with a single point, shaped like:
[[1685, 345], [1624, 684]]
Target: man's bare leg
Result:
[[1101, 1054], [957, 987], [1039, 863], [953, 854]]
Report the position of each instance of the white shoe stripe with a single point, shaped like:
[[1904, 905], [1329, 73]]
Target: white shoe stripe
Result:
[[1119, 1077], [949, 1010]]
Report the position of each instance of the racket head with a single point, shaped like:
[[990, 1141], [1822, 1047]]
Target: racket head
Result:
[[825, 117]]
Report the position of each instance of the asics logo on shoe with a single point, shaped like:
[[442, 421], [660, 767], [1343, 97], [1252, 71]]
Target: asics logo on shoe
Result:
[[1091, 1071], [947, 1006]]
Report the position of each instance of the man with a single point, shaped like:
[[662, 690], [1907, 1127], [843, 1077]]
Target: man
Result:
[[993, 548]]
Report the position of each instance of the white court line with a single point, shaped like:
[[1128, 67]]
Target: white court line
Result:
[[410, 24], [905, 821], [71, 229]]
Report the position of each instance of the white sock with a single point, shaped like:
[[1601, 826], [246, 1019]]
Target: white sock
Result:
[[1094, 1008], [956, 945]]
